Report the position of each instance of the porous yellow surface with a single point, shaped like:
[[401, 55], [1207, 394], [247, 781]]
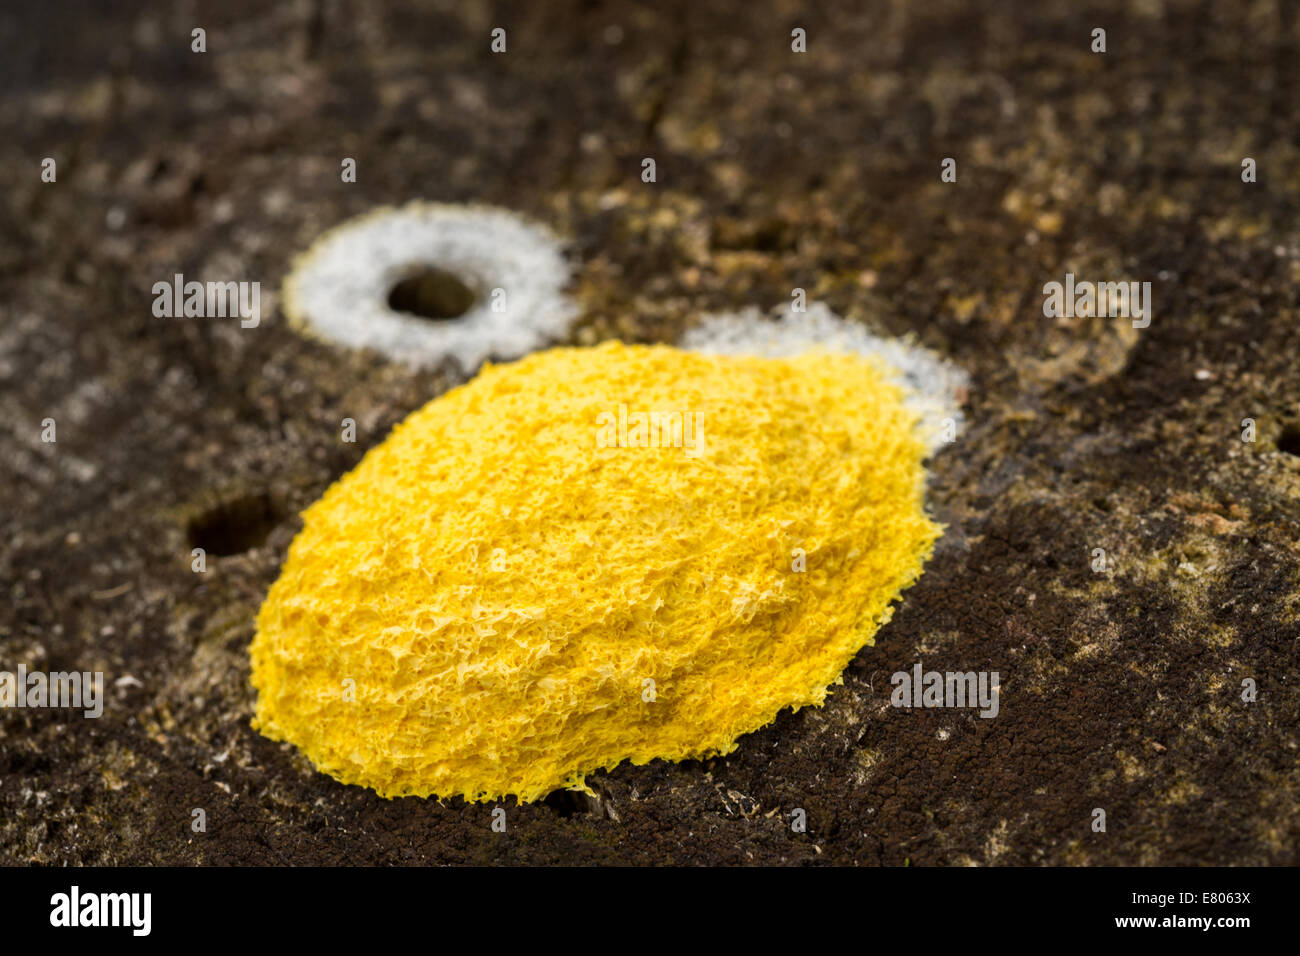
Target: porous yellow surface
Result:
[[509, 593]]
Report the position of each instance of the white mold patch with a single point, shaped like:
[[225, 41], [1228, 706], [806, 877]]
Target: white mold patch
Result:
[[511, 274], [934, 388]]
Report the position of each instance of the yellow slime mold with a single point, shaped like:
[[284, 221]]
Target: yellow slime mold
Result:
[[532, 578]]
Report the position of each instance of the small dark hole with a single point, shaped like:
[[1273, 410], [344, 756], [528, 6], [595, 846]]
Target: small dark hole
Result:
[[431, 294], [1289, 440], [234, 525], [569, 803]]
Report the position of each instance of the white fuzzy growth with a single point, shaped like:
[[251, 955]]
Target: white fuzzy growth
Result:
[[934, 388], [339, 289]]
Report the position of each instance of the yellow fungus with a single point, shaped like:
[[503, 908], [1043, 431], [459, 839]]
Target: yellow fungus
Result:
[[590, 556]]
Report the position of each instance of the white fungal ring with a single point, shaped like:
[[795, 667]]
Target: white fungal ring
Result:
[[933, 388], [338, 290]]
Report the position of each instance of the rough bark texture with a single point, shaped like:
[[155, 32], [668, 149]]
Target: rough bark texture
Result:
[[775, 170]]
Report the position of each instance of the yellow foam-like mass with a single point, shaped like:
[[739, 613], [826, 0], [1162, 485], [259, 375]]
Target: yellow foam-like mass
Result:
[[509, 592]]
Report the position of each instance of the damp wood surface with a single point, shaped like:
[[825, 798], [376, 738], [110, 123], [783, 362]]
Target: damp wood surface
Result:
[[775, 170]]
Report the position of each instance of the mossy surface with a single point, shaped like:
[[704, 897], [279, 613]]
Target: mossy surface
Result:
[[1119, 690]]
